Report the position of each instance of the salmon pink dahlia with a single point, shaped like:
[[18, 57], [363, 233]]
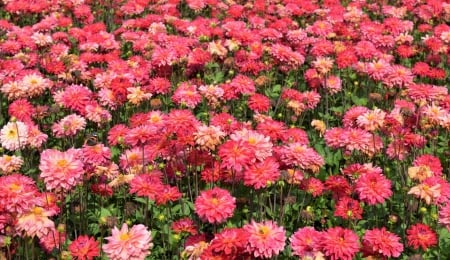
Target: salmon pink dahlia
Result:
[[17, 193], [61, 170], [261, 174], [382, 243], [373, 188], [36, 222], [266, 239], [339, 243], [128, 244], [215, 205], [305, 243]]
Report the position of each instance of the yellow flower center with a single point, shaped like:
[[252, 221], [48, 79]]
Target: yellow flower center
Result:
[[37, 211], [264, 231], [12, 134], [252, 140], [62, 163], [14, 187], [124, 237], [155, 119], [215, 201]]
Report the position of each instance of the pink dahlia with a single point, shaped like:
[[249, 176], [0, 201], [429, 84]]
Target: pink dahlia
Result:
[[380, 242], [373, 188], [261, 174], [215, 205], [128, 244], [266, 239], [17, 193], [35, 222], [236, 155], [339, 243], [61, 170], [305, 242]]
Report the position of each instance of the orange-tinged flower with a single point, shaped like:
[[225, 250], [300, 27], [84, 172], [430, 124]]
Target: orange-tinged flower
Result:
[[208, 137], [135, 95], [419, 172], [371, 120], [35, 222], [319, 126], [426, 192]]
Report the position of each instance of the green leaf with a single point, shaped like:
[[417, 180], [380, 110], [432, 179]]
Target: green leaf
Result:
[[444, 243], [104, 212], [359, 101]]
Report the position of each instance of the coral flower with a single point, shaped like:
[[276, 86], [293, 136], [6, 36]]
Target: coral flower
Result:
[[184, 225], [255, 141], [236, 155], [146, 185], [230, 242], [266, 239], [35, 222], [215, 205], [261, 174], [421, 235], [298, 154], [348, 208], [128, 244], [339, 243], [61, 170], [84, 247], [373, 188], [380, 242]]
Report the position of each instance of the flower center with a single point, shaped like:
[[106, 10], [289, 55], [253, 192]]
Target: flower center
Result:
[[252, 140], [12, 134], [62, 163], [264, 231], [215, 201], [14, 187], [37, 211], [124, 237]]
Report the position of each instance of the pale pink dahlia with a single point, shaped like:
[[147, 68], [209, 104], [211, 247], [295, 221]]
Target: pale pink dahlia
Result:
[[61, 170], [128, 244]]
